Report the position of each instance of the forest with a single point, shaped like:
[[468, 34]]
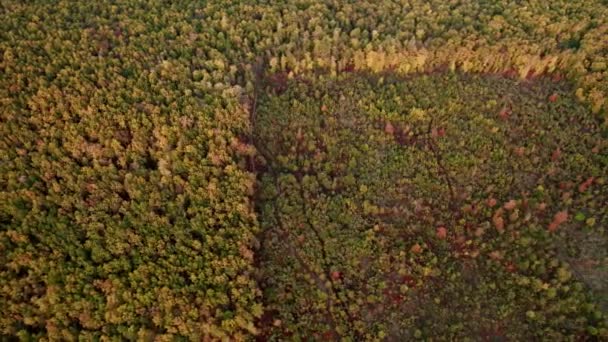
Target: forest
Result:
[[303, 170]]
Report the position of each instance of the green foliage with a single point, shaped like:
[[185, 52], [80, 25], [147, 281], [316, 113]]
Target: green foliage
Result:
[[125, 204], [128, 171]]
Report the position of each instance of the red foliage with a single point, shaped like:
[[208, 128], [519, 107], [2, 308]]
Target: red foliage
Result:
[[495, 255], [438, 132], [510, 73], [531, 74], [491, 202], [510, 205], [335, 275], [328, 336], [409, 281], [552, 227], [397, 298], [586, 184], [504, 113], [416, 249], [349, 68], [553, 97], [559, 218], [389, 128], [434, 133], [442, 233], [499, 222]]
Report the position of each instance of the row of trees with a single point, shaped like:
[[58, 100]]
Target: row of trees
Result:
[[125, 181], [418, 36]]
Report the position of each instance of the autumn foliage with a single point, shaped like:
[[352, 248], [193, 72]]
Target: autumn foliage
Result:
[[302, 170], [365, 207]]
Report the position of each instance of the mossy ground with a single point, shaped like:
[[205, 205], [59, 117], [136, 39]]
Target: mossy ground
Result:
[[442, 205]]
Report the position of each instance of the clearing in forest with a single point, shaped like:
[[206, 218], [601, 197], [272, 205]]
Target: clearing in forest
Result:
[[435, 205]]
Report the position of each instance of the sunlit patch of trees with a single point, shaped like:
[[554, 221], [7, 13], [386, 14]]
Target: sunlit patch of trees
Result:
[[128, 169]]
